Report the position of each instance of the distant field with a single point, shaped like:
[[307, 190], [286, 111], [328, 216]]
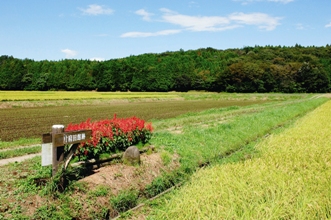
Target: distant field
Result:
[[28, 114], [18, 123], [64, 95], [191, 95]]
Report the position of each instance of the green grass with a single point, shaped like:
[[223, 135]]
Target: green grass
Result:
[[19, 152], [289, 178], [197, 95], [19, 142], [211, 139]]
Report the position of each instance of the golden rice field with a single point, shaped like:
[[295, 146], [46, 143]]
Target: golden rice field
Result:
[[78, 95], [290, 178]]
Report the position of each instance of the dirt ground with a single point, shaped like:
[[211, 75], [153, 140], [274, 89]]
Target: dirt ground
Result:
[[119, 176]]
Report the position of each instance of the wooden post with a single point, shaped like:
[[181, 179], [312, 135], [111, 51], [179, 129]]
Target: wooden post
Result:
[[57, 151]]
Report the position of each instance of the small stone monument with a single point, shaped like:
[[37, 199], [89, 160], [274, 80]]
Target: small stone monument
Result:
[[131, 156]]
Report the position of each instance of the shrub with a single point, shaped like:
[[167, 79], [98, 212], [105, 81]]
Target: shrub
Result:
[[111, 135]]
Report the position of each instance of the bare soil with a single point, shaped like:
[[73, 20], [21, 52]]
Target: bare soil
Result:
[[17, 159], [120, 176]]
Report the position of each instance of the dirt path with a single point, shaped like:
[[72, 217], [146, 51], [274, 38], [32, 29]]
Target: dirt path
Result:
[[17, 159], [19, 147]]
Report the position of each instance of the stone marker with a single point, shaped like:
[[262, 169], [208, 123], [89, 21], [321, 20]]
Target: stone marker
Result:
[[131, 156]]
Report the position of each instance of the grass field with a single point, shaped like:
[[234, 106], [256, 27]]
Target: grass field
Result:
[[198, 127], [289, 178]]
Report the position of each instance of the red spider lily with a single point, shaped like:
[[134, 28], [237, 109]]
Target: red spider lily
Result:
[[112, 134]]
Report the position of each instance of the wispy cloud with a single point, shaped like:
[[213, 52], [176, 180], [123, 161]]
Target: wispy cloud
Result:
[[220, 23], [146, 15], [209, 23], [328, 25], [150, 34], [261, 20], [194, 23], [96, 10], [69, 53]]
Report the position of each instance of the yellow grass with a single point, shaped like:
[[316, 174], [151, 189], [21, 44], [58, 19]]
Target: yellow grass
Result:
[[291, 179], [61, 95], [191, 95]]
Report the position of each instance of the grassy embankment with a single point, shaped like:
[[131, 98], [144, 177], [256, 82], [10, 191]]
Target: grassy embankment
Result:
[[288, 178]]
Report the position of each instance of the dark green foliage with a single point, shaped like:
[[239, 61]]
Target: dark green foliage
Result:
[[250, 69]]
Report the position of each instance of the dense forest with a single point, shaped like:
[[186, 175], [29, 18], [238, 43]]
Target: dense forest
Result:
[[249, 69]]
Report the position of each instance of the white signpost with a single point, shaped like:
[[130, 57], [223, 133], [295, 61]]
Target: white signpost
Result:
[[46, 154], [53, 145]]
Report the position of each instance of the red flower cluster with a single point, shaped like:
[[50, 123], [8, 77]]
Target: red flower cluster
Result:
[[111, 135]]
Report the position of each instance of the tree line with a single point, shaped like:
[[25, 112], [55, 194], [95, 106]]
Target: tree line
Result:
[[248, 69]]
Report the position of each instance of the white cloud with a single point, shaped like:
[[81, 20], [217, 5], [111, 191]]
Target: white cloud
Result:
[[219, 23], [146, 15], [209, 23], [97, 10], [150, 34], [328, 25], [97, 59], [69, 53], [195, 23], [261, 20]]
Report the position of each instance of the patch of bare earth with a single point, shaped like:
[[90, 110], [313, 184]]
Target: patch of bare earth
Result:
[[328, 95], [120, 177], [49, 103]]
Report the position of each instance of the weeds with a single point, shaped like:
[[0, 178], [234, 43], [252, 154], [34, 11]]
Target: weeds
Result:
[[125, 200], [166, 157], [164, 182], [20, 142], [100, 190]]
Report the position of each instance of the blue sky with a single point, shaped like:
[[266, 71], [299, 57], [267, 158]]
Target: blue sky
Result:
[[104, 29]]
